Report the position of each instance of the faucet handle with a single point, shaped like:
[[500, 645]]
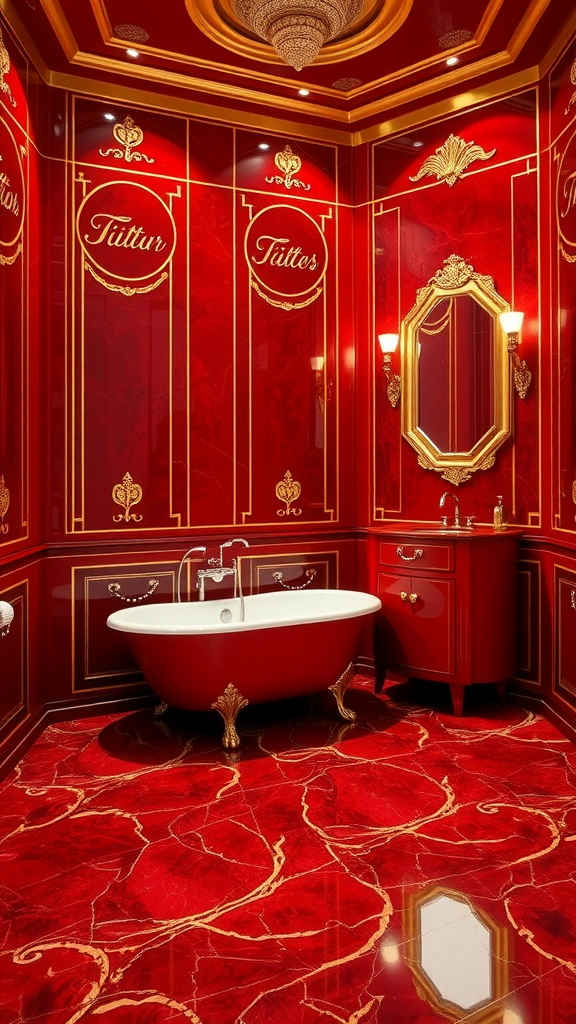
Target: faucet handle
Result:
[[470, 521], [444, 521]]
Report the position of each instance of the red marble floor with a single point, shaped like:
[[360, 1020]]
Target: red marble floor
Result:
[[411, 867]]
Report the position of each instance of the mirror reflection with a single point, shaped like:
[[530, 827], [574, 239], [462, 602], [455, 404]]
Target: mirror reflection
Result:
[[456, 383], [455, 373]]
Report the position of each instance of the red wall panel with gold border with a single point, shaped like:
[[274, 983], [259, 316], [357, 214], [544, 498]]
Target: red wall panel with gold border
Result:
[[488, 215], [561, 132], [204, 364], [18, 218]]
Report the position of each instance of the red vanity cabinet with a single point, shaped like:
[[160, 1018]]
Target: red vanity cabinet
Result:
[[449, 607]]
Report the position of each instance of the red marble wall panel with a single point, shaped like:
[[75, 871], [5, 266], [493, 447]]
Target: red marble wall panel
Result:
[[488, 217], [14, 655], [15, 229], [129, 288], [561, 115], [102, 657], [212, 367], [286, 281]]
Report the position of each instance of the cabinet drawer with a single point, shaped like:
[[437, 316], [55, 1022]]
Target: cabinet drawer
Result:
[[417, 556]]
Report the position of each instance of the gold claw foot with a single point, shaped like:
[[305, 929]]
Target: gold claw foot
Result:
[[339, 689], [161, 708], [228, 705]]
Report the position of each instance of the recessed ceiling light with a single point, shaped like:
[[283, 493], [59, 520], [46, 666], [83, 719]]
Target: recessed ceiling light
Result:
[[132, 52], [303, 92], [417, 144], [452, 60], [110, 117], [263, 145]]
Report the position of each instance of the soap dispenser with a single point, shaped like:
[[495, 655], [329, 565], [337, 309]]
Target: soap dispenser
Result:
[[500, 517]]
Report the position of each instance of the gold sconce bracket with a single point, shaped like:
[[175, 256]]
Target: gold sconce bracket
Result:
[[323, 388], [388, 344], [511, 323]]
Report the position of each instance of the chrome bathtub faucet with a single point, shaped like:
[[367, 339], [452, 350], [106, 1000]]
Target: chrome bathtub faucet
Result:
[[215, 569]]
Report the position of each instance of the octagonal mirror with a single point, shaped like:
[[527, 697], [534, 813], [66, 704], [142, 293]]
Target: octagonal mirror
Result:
[[456, 408]]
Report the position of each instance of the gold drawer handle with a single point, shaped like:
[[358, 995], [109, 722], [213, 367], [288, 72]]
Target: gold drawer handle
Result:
[[114, 589], [411, 598], [573, 599], [279, 577], [418, 553]]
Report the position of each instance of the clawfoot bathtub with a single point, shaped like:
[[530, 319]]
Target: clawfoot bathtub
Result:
[[224, 654]]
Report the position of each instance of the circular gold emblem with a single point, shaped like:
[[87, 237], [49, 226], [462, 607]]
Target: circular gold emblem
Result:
[[126, 230]]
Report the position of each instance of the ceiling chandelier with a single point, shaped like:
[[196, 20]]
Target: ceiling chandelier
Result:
[[297, 29]]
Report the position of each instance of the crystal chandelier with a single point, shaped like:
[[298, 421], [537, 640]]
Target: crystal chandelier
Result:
[[295, 28]]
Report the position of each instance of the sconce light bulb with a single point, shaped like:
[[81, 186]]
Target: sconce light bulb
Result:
[[388, 342], [317, 363], [512, 321]]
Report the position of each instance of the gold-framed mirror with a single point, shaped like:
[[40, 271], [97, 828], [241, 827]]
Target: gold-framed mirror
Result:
[[456, 401]]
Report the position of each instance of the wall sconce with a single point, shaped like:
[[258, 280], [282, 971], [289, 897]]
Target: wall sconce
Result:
[[511, 323], [388, 344], [322, 395]]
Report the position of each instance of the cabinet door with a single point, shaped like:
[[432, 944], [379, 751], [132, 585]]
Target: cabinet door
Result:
[[417, 624]]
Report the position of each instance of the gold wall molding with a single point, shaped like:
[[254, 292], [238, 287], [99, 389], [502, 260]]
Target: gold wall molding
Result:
[[129, 135], [125, 289], [573, 81], [289, 163], [288, 490], [4, 505], [450, 160], [283, 304], [4, 69], [7, 261], [127, 494]]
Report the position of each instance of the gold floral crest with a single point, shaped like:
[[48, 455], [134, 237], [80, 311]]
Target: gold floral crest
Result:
[[127, 494], [4, 505], [450, 160], [129, 135], [287, 162], [4, 69]]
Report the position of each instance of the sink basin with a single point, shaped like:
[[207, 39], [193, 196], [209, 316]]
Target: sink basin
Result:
[[443, 531]]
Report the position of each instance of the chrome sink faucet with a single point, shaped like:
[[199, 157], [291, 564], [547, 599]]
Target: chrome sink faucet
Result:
[[444, 519]]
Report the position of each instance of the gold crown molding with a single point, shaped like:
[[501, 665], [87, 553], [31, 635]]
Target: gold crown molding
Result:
[[241, 94], [57, 19], [197, 109], [220, 23], [64, 34], [328, 135], [447, 108], [482, 67], [558, 46]]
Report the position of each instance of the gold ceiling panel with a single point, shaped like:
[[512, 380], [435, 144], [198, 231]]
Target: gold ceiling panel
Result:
[[217, 19]]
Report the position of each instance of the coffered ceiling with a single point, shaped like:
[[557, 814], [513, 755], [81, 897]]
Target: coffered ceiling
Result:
[[385, 73]]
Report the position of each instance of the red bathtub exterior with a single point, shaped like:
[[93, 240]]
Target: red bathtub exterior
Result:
[[191, 670]]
